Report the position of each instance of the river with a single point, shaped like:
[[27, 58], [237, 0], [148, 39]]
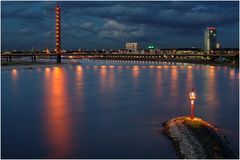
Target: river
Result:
[[110, 109]]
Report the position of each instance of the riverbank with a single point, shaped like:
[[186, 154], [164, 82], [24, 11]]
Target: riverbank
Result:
[[189, 61], [197, 139]]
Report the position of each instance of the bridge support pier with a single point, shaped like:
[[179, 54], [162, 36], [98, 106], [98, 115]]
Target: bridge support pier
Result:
[[213, 59], [58, 58], [34, 58], [10, 59]]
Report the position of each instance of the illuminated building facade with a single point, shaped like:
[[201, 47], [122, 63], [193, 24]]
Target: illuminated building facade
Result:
[[218, 45], [132, 46], [210, 39]]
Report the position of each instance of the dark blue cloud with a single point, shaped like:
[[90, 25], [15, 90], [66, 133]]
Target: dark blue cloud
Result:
[[111, 24]]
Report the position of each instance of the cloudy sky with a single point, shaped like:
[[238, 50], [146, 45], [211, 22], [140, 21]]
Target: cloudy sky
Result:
[[91, 25]]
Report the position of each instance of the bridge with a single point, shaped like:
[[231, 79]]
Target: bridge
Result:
[[118, 56]]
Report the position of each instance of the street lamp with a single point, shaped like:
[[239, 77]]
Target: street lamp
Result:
[[192, 97]]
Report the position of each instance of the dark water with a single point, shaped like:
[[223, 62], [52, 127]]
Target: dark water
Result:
[[110, 109]]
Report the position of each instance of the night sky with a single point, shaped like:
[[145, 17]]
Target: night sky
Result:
[[91, 25]]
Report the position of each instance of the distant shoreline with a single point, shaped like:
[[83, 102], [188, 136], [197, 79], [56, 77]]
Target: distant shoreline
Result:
[[189, 61]]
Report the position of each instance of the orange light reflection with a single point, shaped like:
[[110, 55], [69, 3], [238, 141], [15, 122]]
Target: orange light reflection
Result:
[[79, 86], [14, 74], [189, 79], [231, 74], [173, 82], [103, 78], [58, 125], [211, 92], [158, 82], [135, 72]]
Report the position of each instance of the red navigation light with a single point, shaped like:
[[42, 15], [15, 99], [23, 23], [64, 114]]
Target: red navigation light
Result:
[[211, 28]]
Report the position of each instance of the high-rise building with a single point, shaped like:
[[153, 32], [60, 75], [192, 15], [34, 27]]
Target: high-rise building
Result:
[[210, 39], [132, 46]]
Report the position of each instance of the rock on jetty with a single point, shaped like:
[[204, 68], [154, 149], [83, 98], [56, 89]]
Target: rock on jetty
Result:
[[197, 139]]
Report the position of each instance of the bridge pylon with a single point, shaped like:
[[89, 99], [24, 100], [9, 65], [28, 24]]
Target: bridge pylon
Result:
[[58, 33]]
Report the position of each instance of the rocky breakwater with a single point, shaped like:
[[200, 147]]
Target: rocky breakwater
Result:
[[197, 139]]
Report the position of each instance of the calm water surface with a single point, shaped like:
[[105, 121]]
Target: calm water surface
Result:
[[110, 109]]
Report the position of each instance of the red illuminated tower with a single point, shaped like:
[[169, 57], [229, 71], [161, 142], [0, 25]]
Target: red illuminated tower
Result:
[[58, 33]]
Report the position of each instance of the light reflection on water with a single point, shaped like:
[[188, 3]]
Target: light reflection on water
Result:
[[211, 94], [111, 110], [56, 113], [103, 79], [174, 82], [14, 74], [135, 73]]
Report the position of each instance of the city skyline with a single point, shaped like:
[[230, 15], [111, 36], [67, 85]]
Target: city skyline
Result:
[[91, 25]]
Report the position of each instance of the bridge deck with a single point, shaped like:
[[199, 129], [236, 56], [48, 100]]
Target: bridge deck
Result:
[[122, 55]]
